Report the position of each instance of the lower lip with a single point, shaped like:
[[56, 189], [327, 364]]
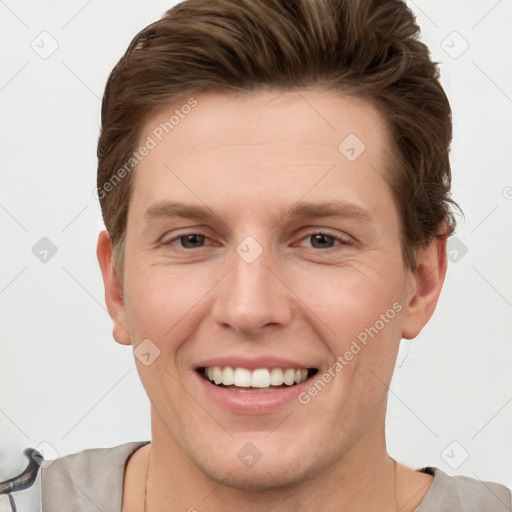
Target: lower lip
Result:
[[251, 402]]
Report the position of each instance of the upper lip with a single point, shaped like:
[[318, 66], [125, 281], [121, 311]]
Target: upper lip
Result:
[[252, 363]]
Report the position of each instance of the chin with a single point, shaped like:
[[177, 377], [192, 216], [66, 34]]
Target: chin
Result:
[[271, 472], [266, 477]]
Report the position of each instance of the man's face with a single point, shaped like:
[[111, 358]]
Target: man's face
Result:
[[257, 289]]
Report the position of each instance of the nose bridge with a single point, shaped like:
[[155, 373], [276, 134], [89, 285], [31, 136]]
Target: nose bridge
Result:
[[251, 296]]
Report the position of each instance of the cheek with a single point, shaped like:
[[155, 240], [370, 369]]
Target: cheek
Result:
[[362, 312], [162, 300], [350, 299]]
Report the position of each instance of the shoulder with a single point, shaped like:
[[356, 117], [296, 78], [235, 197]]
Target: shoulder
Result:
[[464, 494], [91, 479]]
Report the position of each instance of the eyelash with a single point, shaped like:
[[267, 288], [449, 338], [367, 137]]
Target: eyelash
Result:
[[341, 241], [337, 238]]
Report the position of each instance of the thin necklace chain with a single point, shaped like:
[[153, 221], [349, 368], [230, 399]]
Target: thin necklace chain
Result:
[[146, 484], [147, 473]]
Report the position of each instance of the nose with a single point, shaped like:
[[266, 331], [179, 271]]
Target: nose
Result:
[[253, 294]]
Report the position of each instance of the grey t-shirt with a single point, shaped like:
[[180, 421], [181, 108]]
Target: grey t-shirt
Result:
[[92, 481]]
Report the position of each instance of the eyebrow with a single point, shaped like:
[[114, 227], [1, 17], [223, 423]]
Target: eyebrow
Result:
[[301, 210]]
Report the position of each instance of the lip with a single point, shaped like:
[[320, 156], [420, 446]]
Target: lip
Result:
[[253, 363], [250, 403]]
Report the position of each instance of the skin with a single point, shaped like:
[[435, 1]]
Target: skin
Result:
[[247, 158]]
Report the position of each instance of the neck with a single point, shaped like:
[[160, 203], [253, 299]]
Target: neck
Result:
[[364, 479]]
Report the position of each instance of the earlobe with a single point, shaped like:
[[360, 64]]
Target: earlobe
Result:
[[425, 287], [113, 290]]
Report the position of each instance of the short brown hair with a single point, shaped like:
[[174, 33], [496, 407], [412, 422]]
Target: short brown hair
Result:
[[366, 48]]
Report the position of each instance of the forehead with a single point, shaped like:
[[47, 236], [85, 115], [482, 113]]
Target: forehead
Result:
[[274, 146], [259, 116]]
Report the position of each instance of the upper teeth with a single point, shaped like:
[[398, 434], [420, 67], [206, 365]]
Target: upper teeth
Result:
[[260, 378]]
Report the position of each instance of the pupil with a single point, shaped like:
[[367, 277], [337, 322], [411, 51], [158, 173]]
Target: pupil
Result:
[[188, 238], [320, 236], [193, 240]]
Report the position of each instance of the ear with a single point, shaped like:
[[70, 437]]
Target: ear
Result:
[[425, 286], [113, 289]]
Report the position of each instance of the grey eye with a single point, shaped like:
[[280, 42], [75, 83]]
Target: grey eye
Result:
[[191, 241], [322, 240]]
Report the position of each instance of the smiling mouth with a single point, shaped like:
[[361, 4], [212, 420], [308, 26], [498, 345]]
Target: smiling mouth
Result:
[[258, 380]]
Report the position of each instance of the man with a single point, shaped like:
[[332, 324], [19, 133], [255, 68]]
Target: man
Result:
[[275, 183]]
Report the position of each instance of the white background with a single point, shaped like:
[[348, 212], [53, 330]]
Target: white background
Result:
[[66, 382]]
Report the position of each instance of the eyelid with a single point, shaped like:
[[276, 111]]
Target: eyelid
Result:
[[180, 235], [344, 240], [312, 231]]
